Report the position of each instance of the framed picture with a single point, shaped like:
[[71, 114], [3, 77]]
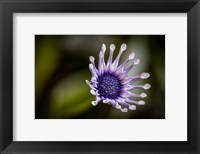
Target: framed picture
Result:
[[99, 76]]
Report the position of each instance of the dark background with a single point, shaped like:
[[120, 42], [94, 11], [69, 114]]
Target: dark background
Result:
[[61, 68]]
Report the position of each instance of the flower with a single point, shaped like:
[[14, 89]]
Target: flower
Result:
[[111, 84]]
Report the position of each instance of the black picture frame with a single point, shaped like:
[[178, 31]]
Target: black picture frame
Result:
[[8, 7]]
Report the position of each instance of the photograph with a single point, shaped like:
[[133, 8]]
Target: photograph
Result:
[[100, 76]]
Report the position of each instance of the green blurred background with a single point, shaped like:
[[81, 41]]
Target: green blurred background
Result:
[[61, 68]]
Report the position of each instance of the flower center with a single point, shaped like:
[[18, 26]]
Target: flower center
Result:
[[109, 86]]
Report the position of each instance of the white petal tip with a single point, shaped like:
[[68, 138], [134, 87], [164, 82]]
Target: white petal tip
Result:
[[92, 92], [118, 106], [147, 86], [132, 55], [105, 101], [103, 47], [91, 66], [112, 47], [136, 62], [132, 107], [87, 81], [91, 58], [143, 95], [123, 46], [94, 103], [141, 103], [124, 110], [145, 75]]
